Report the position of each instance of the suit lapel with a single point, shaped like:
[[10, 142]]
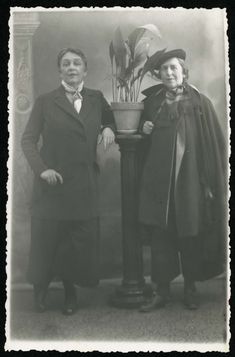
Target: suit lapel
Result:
[[62, 101], [86, 105]]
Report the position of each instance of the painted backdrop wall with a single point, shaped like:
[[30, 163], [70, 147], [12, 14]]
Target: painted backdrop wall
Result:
[[199, 32]]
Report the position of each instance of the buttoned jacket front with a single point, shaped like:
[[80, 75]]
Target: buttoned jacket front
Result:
[[69, 143]]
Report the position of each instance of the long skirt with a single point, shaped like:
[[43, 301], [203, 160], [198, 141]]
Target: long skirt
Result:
[[68, 250]]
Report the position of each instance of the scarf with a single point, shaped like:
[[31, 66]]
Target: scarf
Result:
[[74, 95]]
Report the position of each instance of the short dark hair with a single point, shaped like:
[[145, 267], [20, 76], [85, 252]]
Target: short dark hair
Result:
[[184, 68], [77, 51]]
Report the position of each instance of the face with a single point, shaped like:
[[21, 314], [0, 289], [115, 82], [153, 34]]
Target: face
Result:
[[72, 69], [171, 73]]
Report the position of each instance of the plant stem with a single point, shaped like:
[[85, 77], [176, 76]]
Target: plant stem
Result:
[[138, 91], [113, 82], [115, 86], [134, 87]]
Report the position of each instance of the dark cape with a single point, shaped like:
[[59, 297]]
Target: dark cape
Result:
[[189, 153]]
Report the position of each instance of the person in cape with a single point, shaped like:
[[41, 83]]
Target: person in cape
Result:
[[65, 209], [182, 202]]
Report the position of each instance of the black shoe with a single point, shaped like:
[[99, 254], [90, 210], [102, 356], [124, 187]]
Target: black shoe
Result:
[[40, 298], [157, 302], [70, 304], [191, 299]]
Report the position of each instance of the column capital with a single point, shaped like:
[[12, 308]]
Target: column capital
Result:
[[25, 23]]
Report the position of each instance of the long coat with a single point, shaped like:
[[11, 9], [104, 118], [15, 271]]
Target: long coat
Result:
[[185, 155], [69, 142]]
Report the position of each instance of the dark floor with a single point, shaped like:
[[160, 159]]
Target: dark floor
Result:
[[96, 320]]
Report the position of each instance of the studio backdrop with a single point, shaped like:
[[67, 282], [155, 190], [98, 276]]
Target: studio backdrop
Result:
[[36, 39]]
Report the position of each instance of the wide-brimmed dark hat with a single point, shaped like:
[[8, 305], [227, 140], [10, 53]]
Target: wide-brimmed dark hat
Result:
[[165, 56]]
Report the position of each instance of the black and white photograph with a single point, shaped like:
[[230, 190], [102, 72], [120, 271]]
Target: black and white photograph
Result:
[[118, 180]]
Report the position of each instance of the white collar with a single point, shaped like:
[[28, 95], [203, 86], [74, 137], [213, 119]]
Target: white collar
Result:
[[71, 89]]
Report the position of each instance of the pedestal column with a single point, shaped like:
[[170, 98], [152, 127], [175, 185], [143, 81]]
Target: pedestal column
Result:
[[131, 292]]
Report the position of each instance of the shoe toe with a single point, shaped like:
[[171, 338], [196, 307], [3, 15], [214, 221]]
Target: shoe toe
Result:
[[69, 310], [156, 303], [39, 302], [191, 301], [70, 307], [191, 305], [40, 307]]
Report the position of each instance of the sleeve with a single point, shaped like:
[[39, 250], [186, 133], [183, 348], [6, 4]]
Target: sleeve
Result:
[[216, 128], [214, 147], [107, 115], [143, 119], [30, 138]]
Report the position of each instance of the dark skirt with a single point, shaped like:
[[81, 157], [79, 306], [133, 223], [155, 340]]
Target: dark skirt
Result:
[[68, 250]]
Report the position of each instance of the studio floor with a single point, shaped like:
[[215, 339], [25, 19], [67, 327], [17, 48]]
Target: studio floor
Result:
[[97, 320]]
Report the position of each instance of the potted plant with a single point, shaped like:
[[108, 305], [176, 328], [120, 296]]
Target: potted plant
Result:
[[130, 62]]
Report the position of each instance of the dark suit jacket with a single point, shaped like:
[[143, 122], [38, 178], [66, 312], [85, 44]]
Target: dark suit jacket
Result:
[[69, 146]]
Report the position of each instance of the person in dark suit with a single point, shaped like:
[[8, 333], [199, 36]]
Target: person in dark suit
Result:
[[183, 186], [65, 212]]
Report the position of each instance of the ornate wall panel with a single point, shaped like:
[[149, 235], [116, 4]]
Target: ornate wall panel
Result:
[[24, 27]]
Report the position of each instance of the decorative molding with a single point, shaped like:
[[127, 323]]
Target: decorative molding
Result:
[[25, 23], [23, 103], [25, 29], [23, 75]]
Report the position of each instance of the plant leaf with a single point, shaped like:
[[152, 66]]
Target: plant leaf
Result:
[[141, 52], [151, 61], [128, 51], [123, 84], [152, 28], [133, 39], [111, 52], [119, 48], [138, 33], [136, 76]]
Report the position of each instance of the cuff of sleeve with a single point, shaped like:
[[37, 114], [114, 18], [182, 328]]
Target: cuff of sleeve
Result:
[[110, 126], [38, 171], [140, 130]]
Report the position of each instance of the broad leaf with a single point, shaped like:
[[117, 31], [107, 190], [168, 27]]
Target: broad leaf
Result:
[[128, 50], [152, 28], [141, 52], [122, 73], [119, 48], [133, 39], [151, 62], [123, 83], [138, 33], [132, 61], [136, 76], [128, 72]]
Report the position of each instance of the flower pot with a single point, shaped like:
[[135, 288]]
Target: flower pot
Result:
[[127, 116]]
